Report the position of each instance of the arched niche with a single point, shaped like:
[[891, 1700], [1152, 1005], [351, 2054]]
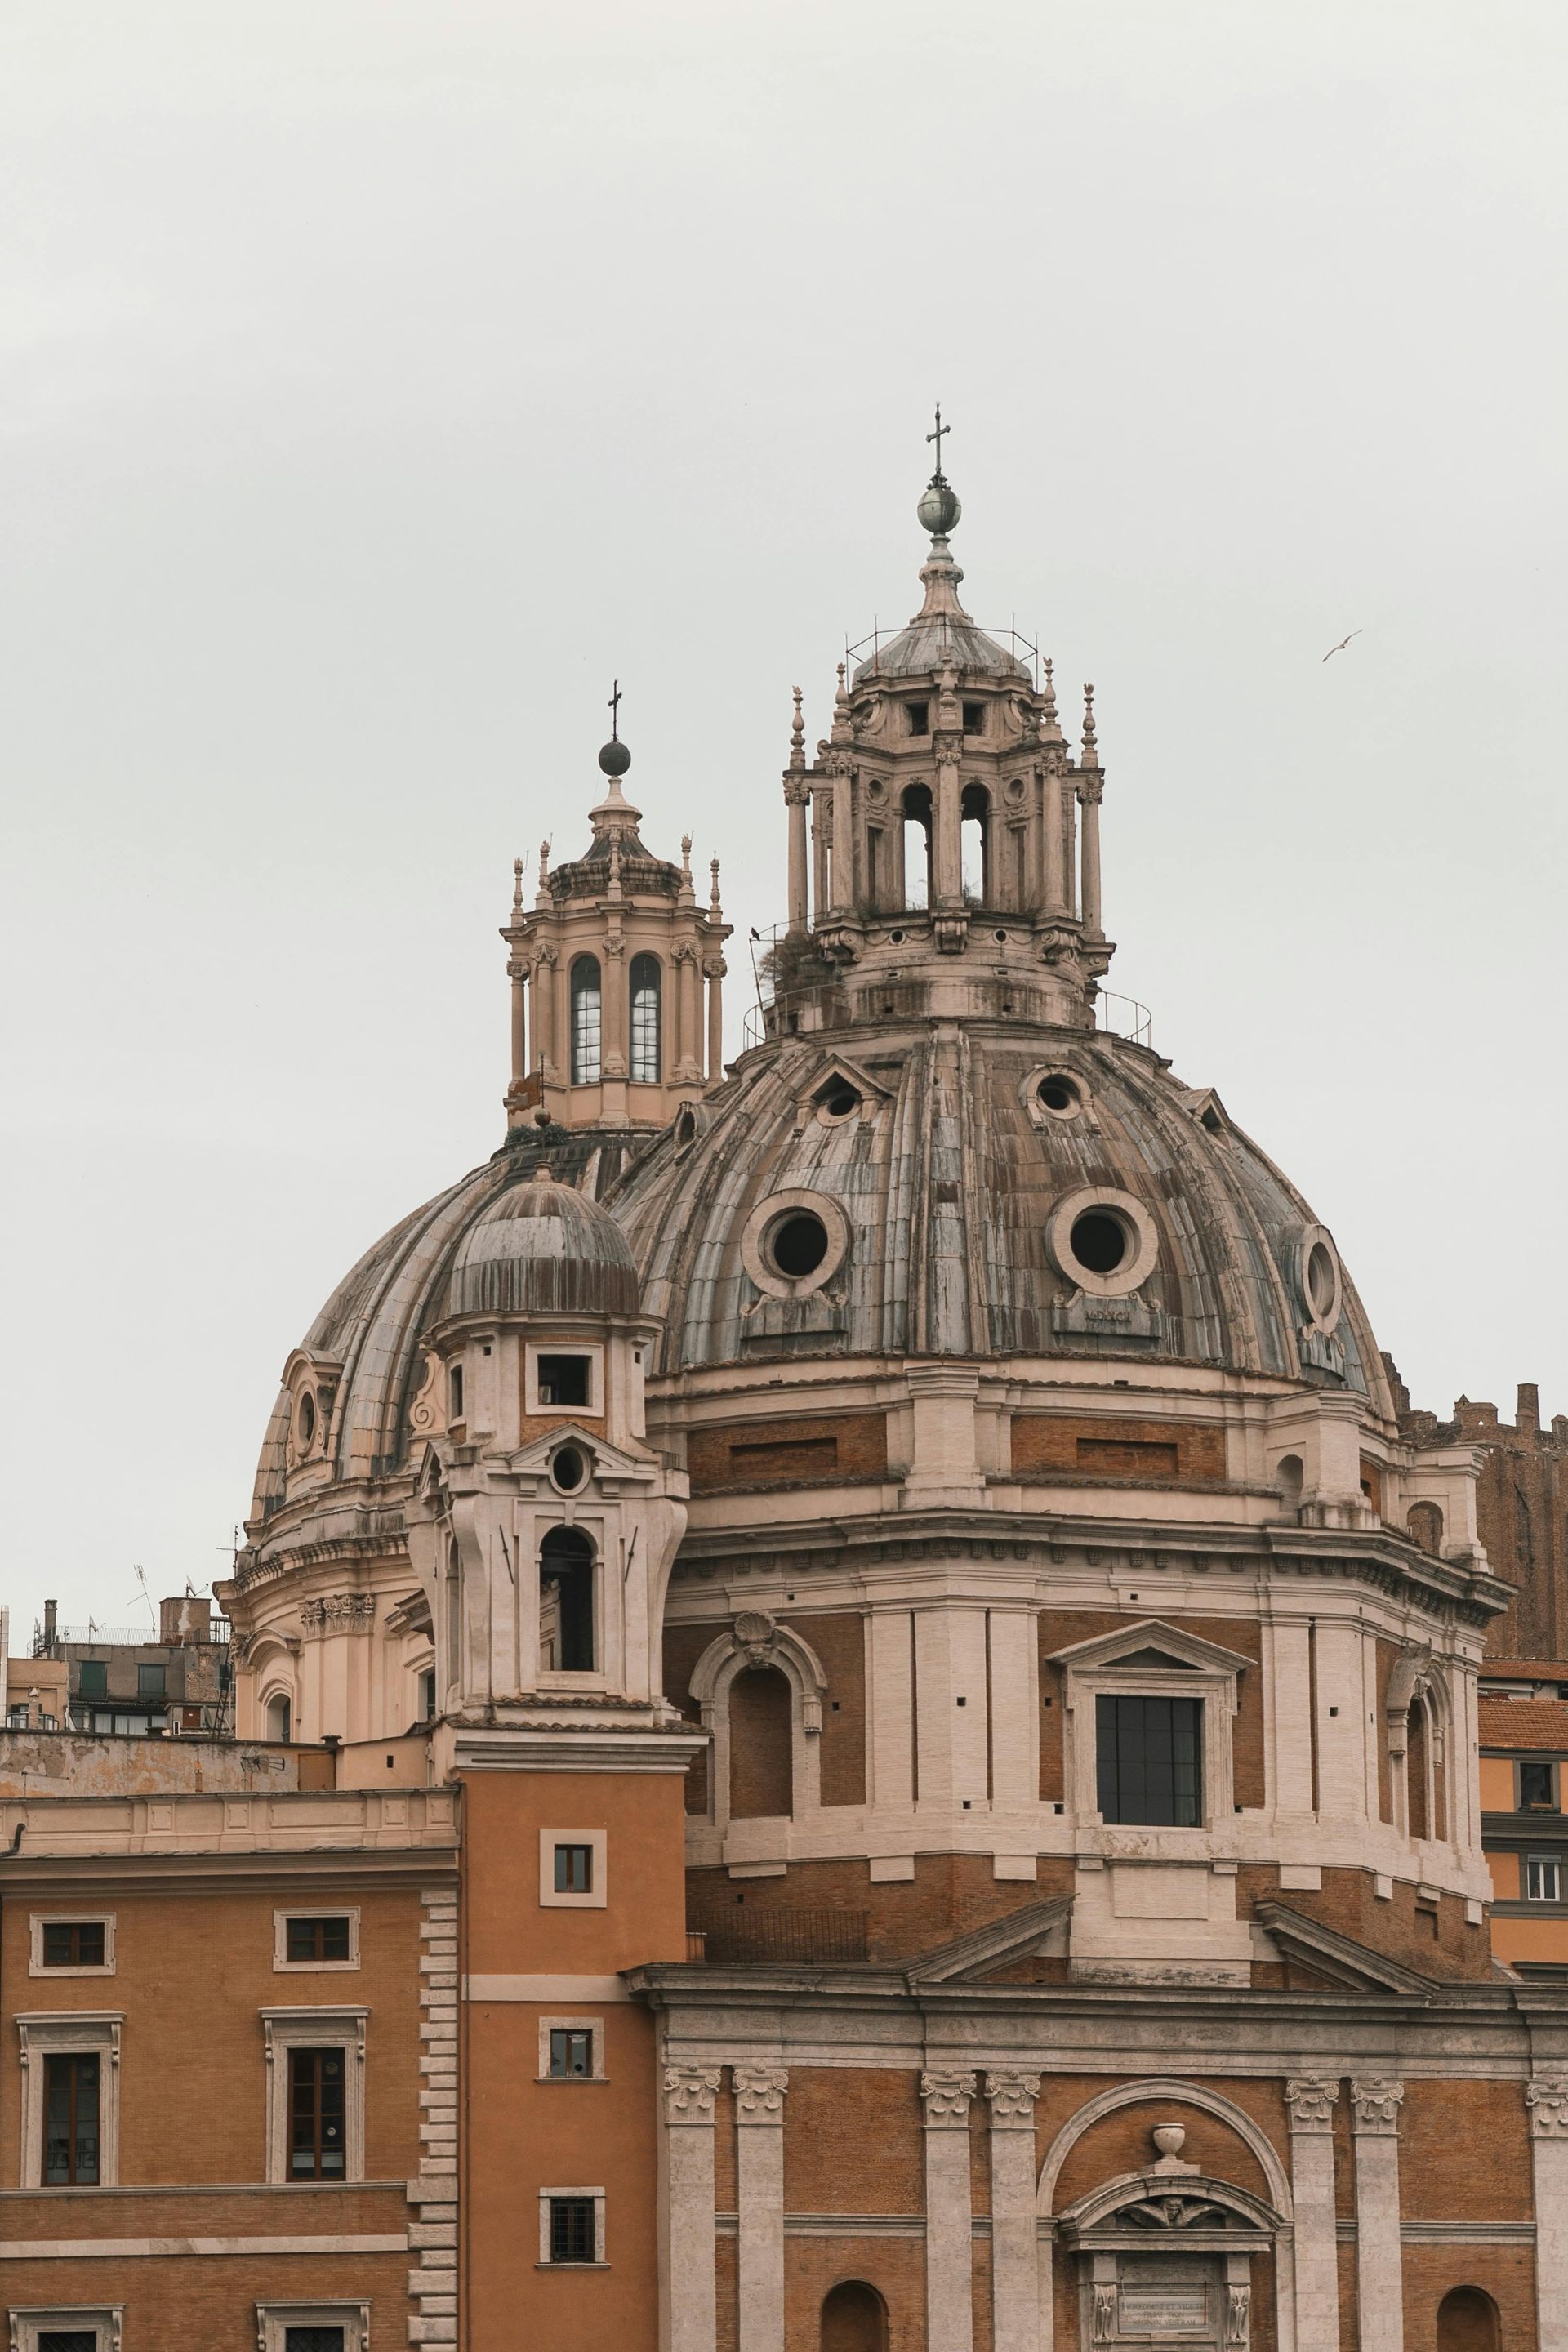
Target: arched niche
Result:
[[1468, 2321], [757, 1642], [853, 2318]]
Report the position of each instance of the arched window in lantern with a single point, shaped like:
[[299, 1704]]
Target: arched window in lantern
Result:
[[647, 1059], [586, 1021]]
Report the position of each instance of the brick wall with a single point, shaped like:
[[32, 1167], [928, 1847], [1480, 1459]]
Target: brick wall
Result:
[[1098, 1446], [737, 1457]]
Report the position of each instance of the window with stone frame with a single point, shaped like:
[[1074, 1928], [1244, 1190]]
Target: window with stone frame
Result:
[[1148, 1757]]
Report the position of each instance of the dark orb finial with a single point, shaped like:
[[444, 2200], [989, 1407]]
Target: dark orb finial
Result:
[[615, 756]]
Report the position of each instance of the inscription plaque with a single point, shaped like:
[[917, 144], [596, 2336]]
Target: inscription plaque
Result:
[[1167, 2309]]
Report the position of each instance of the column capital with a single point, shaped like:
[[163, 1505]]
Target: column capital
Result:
[[1012, 2097], [1546, 2097], [760, 2094], [945, 2098], [1312, 2100], [689, 2092], [1376, 2102]]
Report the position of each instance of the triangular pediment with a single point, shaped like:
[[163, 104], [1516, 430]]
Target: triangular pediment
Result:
[[838, 1072], [1150, 1645], [1208, 1110], [971, 1958], [608, 1461], [1354, 1965]]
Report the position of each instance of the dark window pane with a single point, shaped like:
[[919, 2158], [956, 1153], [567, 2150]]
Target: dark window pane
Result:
[[317, 2134], [312, 2340], [566, 1644], [563, 1380], [571, 2229], [1148, 1760], [573, 1870], [570, 2051], [325, 1939], [150, 1682], [92, 1677], [68, 2339], [1535, 1787], [71, 2120]]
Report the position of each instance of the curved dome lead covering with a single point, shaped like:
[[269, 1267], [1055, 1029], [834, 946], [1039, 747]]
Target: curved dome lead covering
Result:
[[543, 1249]]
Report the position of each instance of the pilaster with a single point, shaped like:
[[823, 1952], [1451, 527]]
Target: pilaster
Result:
[[1546, 2102], [1375, 2100], [759, 2124], [949, 2294], [433, 2236], [1014, 2257], [1311, 2100], [687, 2289]]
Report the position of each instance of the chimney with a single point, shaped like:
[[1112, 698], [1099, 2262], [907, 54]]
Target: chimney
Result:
[[186, 1618], [51, 1611], [1527, 1412]]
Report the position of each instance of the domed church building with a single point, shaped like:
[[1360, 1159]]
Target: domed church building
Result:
[[951, 1705]]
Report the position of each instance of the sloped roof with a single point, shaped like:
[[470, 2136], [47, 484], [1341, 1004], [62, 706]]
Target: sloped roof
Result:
[[1540, 1725]]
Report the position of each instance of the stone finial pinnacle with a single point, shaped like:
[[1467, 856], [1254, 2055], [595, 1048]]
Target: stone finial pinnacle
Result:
[[1091, 747], [686, 854], [840, 730], [713, 893], [516, 886], [797, 734], [544, 864]]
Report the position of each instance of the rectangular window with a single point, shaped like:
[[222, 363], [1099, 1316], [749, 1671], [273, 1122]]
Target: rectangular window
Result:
[[455, 1393], [565, 1379], [573, 1870], [151, 1681], [1148, 1752], [974, 717], [427, 1696], [70, 2118], [1543, 1878], [325, 1939], [571, 2229], [920, 718], [68, 2339], [571, 2052], [73, 1944], [316, 2114], [312, 2340], [92, 1677], [1537, 1789]]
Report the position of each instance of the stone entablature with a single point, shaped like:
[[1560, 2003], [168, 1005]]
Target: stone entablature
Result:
[[186, 1826]]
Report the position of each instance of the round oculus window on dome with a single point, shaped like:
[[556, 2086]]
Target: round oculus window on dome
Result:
[[1104, 1240], [305, 1419], [794, 1242], [1322, 1286], [838, 1101], [1060, 1094]]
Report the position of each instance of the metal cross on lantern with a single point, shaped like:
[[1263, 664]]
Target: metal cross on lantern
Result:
[[936, 436]]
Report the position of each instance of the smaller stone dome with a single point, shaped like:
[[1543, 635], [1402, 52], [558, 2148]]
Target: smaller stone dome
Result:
[[544, 1249]]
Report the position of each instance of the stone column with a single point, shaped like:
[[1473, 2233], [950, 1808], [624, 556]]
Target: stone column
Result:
[[950, 2279], [688, 2284], [1547, 2102], [1014, 2240], [715, 972], [1310, 2099], [795, 800], [1090, 790], [758, 2141], [1380, 2283], [1053, 879], [689, 1051], [947, 849], [544, 1012]]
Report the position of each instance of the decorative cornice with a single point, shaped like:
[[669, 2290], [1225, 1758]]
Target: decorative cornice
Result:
[[1376, 2102], [1311, 2099], [945, 2099], [760, 2094], [689, 2092]]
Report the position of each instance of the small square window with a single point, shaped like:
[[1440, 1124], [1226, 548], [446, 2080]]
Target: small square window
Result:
[[323, 1939], [571, 2052], [974, 717], [1543, 1878], [571, 2230], [573, 1870], [1537, 1789], [151, 1681], [73, 1943], [565, 1381]]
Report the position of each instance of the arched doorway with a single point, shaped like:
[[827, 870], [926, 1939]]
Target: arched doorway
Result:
[[1467, 2322], [853, 2318]]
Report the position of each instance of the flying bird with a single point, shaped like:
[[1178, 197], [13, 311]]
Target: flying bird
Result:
[[1340, 647]]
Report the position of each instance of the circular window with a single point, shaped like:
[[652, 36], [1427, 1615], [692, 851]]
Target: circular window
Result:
[[795, 1242], [305, 1419], [839, 1100], [798, 1244], [1100, 1240], [1060, 1094], [896, 939], [1321, 1284], [1104, 1241], [568, 1469]]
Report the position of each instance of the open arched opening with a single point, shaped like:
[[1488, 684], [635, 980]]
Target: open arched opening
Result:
[[917, 845], [974, 844], [1288, 1477], [587, 1012], [281, 1717], [1467, 2322], [761, 1744], [566, 1644], [1424, 1525], [853, 2318], [1417, 1770], [647, 1060]]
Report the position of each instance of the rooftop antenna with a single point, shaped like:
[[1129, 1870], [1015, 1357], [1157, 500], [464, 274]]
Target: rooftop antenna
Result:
[[142, 1580]]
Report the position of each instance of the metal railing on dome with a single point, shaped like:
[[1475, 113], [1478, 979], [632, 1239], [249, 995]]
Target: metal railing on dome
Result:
[[1123, 1017]]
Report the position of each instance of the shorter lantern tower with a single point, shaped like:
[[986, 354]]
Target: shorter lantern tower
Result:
[[608, 970]]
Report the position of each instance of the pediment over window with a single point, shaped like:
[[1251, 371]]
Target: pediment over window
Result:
[[971, 1960], [1151, 1646], [1341, 1958]]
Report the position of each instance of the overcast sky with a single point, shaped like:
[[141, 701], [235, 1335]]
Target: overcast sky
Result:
[[382, 379]]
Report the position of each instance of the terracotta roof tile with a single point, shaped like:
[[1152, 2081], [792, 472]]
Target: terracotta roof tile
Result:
[[1516, 1724]]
